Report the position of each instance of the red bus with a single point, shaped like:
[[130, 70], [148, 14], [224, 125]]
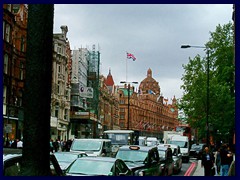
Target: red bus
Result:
[[185, 129]]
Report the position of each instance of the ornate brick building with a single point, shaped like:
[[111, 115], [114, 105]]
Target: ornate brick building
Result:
[[14, 55], [148, 114]]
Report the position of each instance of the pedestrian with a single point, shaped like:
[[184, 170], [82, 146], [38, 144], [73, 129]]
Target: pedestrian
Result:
[[224, 160], [19, 144], [218, 160], [207, 162], [51, 146]]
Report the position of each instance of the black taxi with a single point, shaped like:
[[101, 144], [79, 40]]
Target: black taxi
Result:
[[142, 160]]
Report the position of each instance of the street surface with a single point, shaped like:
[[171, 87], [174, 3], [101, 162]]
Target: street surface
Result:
[[185, 167]]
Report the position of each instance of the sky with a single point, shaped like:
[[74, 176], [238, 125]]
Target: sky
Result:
[[153, 33]]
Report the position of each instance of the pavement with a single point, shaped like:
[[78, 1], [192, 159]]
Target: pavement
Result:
[[199, 171]]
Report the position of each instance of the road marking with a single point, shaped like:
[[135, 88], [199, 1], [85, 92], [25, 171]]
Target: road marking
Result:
[[190, 169]]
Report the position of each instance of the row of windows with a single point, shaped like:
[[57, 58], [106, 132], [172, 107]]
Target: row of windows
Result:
[[6, 68]]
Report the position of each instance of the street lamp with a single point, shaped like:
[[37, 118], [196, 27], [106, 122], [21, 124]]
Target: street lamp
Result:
[[128, 120], [207, 109]]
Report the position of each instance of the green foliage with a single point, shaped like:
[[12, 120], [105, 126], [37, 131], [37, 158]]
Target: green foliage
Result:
[[221, 85]]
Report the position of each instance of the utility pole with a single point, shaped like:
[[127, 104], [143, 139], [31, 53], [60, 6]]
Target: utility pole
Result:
[[37, 95]]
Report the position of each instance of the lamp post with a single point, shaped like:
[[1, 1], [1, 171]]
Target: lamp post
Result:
[[128, 107], [207, 108]]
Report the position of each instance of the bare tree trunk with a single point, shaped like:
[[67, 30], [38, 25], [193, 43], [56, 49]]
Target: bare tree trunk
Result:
[[37, 95]]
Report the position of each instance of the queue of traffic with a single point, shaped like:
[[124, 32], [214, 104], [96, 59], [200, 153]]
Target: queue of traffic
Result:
[[119, 153]]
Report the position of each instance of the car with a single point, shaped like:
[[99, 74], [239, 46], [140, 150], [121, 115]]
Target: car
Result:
[[12, 165], [196, 150], [166, 159], [177, 156], [98, 166], [142, 160], [92, 147], [66, 158]]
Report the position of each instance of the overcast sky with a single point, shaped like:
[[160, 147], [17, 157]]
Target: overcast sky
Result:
[[153, 33]]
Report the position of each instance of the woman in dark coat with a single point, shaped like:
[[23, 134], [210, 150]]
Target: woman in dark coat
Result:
[[207, 162]]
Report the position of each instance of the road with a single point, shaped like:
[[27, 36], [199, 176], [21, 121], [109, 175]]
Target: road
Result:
[[185, 167]]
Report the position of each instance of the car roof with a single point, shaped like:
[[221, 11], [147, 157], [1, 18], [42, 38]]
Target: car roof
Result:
[[162, 148], [119, 131], [141, 148], [10, 156], [69, 152], [99, 158], [169, 145], [92, 139]]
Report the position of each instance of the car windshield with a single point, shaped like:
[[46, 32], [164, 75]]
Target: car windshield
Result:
[[182, 144], [197, 146], [132, 155], [162, 154], [63, 157], [121, 138], [90, 167], [86, 145]]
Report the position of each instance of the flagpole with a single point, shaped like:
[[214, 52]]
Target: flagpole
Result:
[[126, 67]]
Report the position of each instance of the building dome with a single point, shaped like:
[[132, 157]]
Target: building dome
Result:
[[149, 85]]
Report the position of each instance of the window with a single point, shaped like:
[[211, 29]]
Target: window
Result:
[[9, 7], [122, 110], [21, 71], [7, 34], [3, 29], [121, 102], [5, 63], [4, 94]]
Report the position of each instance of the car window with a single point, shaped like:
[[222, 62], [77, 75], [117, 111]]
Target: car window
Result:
[[122, 166], [131, 155]]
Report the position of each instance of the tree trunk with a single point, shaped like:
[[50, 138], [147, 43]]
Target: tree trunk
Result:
[[37, 95]]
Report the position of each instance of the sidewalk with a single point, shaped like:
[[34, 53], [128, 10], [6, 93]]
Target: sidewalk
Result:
[[199, 171]]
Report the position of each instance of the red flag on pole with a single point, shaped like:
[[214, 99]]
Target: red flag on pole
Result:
[[131, 56]]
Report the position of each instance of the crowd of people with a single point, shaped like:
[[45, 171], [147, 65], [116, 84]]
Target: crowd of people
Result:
[[60, 145], [221, 163]]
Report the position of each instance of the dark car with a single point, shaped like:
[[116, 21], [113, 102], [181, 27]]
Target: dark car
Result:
[[142, 160], [98, 166], [177, 156], [196, 150], [12, 164], [66, 158], [166, 159]]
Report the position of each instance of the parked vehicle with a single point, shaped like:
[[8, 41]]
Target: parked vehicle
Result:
[[92, 147], [98, 166], [196, 150], [166, 159], [142, 141], [121, 137], [152, 141], [66, 158], [177, 156], [142, 160], [12, 164], [184, 144]]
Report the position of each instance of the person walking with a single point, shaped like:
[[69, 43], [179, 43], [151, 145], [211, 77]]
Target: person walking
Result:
[[218, 160], [207, 162], [224, 154]]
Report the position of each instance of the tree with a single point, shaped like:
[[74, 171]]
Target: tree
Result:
[[37, 95], [221, 85]]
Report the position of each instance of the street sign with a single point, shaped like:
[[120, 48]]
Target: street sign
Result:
[[86, 92]]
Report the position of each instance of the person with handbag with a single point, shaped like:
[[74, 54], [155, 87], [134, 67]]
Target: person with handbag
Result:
[[208, 162]]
